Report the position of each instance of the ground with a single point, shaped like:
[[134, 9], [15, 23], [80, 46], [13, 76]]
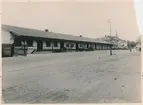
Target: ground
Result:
[[74, 77]]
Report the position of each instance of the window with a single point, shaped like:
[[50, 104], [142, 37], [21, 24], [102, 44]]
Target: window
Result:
[[18, 42], [48, 43], [92, 45], [55, 44], [81, 45], [29, 42], [67, 45], [72, 45], [88, 45]]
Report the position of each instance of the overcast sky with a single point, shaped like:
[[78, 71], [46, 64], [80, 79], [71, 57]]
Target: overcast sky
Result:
[[138, 4], [89, 19]]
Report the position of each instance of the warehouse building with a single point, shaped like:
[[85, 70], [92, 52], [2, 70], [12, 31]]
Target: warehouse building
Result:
[[19, 41]]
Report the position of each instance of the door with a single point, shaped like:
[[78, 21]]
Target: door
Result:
[[62, 45], [39, 45], [62, 48], [77, 48]]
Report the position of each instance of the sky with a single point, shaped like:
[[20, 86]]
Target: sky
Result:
[[138, 4], [89, 19]]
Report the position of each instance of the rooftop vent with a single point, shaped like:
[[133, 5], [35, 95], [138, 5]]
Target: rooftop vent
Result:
[[80, 35], [46, 30]]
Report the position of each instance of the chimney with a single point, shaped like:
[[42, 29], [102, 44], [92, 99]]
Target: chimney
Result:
[[80, 35], [46, 30]]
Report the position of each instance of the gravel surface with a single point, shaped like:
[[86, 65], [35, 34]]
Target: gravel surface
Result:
[[74, 77]]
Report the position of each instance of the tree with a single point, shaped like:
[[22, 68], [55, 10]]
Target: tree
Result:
[[131, 44]]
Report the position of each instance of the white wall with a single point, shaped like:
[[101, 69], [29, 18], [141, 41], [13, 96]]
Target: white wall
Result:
[[93, 45], [6, 37], [45, 47], [56, 47], [34, 43], [65, 44], [104, 46]]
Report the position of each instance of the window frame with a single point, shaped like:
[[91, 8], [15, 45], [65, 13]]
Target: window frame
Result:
[[18, 42], [67, 45], [72, 45], [55, 44], [31, 42], [48, 43]]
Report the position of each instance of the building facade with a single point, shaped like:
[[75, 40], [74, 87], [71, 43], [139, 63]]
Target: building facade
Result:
[[116, 41], [18, 40]]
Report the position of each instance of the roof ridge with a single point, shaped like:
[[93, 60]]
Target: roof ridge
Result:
[[40, 33], [44, 31]]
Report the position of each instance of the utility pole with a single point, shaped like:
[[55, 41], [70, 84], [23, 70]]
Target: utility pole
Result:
[[110, 37], [116, 33], [117, 40]]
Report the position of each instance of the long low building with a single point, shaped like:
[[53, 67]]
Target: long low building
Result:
[[18, 40]]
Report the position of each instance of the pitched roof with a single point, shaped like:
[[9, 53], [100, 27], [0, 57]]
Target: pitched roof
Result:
[[39, 33]]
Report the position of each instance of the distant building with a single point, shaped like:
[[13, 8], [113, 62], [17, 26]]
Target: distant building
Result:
[[138, 45], [116, 41], [122, 44]]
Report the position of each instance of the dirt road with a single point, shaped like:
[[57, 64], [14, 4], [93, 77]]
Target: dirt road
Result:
[[76, 77]]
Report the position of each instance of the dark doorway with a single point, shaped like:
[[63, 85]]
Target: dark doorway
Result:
[[62, 45], [95, 47], [77, 49], [39, 45]]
